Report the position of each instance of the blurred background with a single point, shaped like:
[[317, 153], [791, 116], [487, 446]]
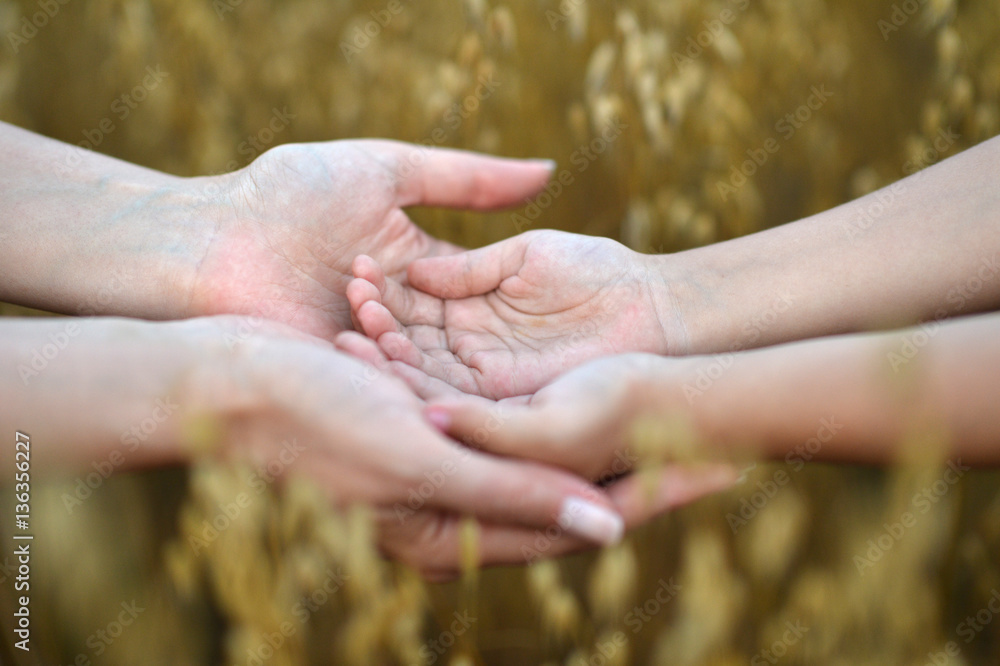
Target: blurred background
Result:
[[674, 124]]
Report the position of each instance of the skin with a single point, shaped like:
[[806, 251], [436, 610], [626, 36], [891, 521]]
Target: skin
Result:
[[523, 310], [925, 249], [835, 398], [347, 421], [86, 234]]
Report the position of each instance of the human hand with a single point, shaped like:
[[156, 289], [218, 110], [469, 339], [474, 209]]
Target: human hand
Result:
[[506, 319], [288, 226], [583, 422], [364, 438]]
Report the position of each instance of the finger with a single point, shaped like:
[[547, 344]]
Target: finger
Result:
[[433, 542], [360, 347], [440, 248], [430, 339], [399, 347], [358, 293], [470, 273], [509, 427], [638, 500], [460, 179], [409, 306], [523, 494], [365, 268], [376, 320], [425, 387], [361, 289]]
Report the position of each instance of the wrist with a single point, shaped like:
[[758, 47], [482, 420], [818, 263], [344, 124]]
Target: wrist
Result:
[[174, 225], [685, 298], [221, 381], [681, 393], [723, 299]]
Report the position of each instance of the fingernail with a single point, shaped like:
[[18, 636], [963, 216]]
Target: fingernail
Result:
[[547, 163], [590, 521], [439, 418]]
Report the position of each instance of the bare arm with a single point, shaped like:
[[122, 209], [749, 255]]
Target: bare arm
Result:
[[848, 398], [83, 233], [927, 247], [117, 394], [507, 319], [872, 391]]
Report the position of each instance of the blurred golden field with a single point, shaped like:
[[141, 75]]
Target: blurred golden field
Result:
[[663, 118]]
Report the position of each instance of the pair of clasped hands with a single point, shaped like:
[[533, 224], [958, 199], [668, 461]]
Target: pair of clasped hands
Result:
[[449, 382]]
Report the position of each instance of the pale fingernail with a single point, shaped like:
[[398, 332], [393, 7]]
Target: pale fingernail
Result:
[[591, 521], [439, 418], [548, 164]]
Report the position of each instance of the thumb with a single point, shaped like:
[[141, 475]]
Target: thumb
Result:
[[470, 273], [509, 427]]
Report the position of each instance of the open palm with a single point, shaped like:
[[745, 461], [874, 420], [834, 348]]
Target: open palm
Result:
[[506, 319], [289, 225]]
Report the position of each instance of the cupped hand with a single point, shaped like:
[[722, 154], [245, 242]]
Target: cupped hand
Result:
[[288, 226], [583, 422], [506, 319], [362, 435]]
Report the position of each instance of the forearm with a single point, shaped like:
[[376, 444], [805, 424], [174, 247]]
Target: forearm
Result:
[[927, 247], [859, 396], [83, 233], [109, 390]]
